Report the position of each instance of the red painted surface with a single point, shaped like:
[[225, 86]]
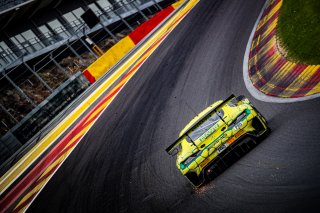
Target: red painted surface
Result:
[[144, 29], [288, 79], [308, 86], [88, 75], [266, 75]]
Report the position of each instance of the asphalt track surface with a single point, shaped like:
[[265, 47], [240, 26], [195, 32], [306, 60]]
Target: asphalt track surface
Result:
[[121, 164]]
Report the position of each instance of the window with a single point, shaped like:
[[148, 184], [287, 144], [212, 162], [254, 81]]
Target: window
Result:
[[205, 125]]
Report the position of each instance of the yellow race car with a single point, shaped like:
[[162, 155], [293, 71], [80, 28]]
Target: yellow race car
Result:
[[213, 133]]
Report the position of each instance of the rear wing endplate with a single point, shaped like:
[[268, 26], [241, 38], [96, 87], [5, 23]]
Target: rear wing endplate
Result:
[[173, 149]]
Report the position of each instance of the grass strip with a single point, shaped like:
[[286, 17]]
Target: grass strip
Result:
[[299, 30]]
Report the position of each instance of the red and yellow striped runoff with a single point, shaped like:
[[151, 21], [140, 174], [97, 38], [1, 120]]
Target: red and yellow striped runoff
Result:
[[269, 71]]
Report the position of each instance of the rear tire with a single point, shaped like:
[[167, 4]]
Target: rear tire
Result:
[[195, 179]]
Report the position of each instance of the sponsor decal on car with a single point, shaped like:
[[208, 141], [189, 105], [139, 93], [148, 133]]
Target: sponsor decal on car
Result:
[[221, 148], [237, 126]]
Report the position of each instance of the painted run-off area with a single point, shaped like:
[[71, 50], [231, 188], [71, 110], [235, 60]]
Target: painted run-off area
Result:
[[270, 71]]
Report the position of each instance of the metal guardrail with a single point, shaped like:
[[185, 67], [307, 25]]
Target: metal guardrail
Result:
[[5, 4]]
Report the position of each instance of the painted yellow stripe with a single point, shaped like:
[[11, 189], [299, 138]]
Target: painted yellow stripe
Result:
[[304, 77], [255, 77], [255, 42], [177, 4], [272, 61], [271, 13], [15, 171], [271, 44], [83, 131], [315, 90], [114, 89], [277, 77], [96, 112], [31, 193], [111, 57], [38, 186], [299, 81], [275, 9], [265, 68], [309, 73], [44, 181], [23, 210], [282, 72], [271, 27], [55, 163]]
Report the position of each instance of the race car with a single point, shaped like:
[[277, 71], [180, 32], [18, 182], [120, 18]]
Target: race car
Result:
[[213, 133]]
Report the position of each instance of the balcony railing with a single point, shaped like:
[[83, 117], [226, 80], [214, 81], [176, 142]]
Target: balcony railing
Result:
[[6, 4], [12, 54]]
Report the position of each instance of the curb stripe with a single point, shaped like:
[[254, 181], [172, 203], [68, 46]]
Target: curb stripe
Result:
[[283, 83], [309, 85], [268, 75], [257, 66], [269, 22]]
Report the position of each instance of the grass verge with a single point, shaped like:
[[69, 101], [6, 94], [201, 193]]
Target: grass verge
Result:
[[299, 30]]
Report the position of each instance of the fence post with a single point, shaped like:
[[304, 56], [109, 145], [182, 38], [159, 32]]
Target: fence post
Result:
[[12, 45], [20, 90], [143, 15], [8, 113], [38, 77], [107, 30], [40, 35], [74, 51], [60, 67], [123, 20], [84, 43], [102, 10], [157, 5]]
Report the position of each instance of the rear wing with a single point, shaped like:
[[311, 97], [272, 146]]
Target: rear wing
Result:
[[174, 148]]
